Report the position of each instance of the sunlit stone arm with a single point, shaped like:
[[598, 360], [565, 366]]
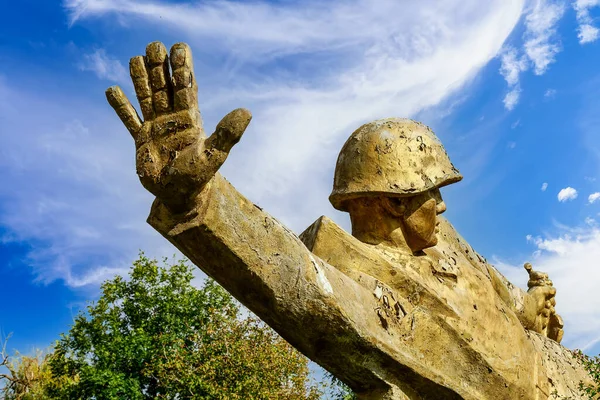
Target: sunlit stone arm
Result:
[[329, 316], [318, 309]]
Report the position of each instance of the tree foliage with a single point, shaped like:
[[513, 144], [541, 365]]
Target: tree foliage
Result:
[[22, 376], [592, 365], [337, 390], [591, 388], [157, 336]]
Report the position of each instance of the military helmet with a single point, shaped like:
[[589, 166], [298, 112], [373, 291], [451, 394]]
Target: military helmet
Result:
[[393, 156]]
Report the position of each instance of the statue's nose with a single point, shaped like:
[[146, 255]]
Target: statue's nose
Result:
[[440, 207]]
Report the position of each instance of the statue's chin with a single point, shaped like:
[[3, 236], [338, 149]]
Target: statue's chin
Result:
[[433, 242], [422, 244]]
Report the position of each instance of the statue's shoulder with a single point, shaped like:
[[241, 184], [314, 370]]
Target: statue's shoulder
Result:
[[375, 268], [334, 245], [314, 234]]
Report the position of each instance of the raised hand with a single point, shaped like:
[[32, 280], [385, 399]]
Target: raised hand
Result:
[[547, 322], [174, 159]]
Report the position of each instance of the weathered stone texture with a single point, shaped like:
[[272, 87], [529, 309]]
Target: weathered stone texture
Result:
[[402, 308]]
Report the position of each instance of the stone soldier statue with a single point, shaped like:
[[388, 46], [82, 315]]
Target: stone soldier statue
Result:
[[403, 308]]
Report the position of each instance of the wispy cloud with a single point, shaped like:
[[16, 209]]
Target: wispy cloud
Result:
[[542, 43], [104, 67], [586, 31], [570, 259], [592, 198], [540, 46], [544, 186], [512, 98], [70, 191], [510, 68], [567, 194], [550, 93], [254, 29]]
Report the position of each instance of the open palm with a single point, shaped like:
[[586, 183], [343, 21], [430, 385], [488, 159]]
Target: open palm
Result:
[[174, 158]]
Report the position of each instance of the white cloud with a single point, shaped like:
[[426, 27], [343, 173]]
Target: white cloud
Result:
[[511, 145], [566, 194], [570, 259], [586, 31], [512, 98], [544, 186], [539, 49], [511, 66], [550, 93], [104, 67], [82, 210], [254, 29], [541, 41], [592, 198]]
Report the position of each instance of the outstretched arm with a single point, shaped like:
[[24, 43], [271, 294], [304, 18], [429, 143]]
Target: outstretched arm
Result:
[[325, 314], [318, 309]]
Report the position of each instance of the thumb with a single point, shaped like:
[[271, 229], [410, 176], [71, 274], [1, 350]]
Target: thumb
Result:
[[550, 292], [229, 130]]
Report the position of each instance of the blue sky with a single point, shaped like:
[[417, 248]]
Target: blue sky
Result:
[[509, 86]]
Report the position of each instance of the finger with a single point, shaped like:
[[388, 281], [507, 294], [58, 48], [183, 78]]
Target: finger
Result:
[[141, 83], [559, 335], [185, 94], [229, 131], [545, 312], [160, 82], [558, 321], [547, 292], [122, 106]]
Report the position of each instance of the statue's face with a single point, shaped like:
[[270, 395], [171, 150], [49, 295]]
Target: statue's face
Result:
[[419, 218]]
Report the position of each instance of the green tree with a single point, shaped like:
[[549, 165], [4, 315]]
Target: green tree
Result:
[[21, 376], [157, 336], [592, 365], [591, 388], [24, 377], [337, 389]]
